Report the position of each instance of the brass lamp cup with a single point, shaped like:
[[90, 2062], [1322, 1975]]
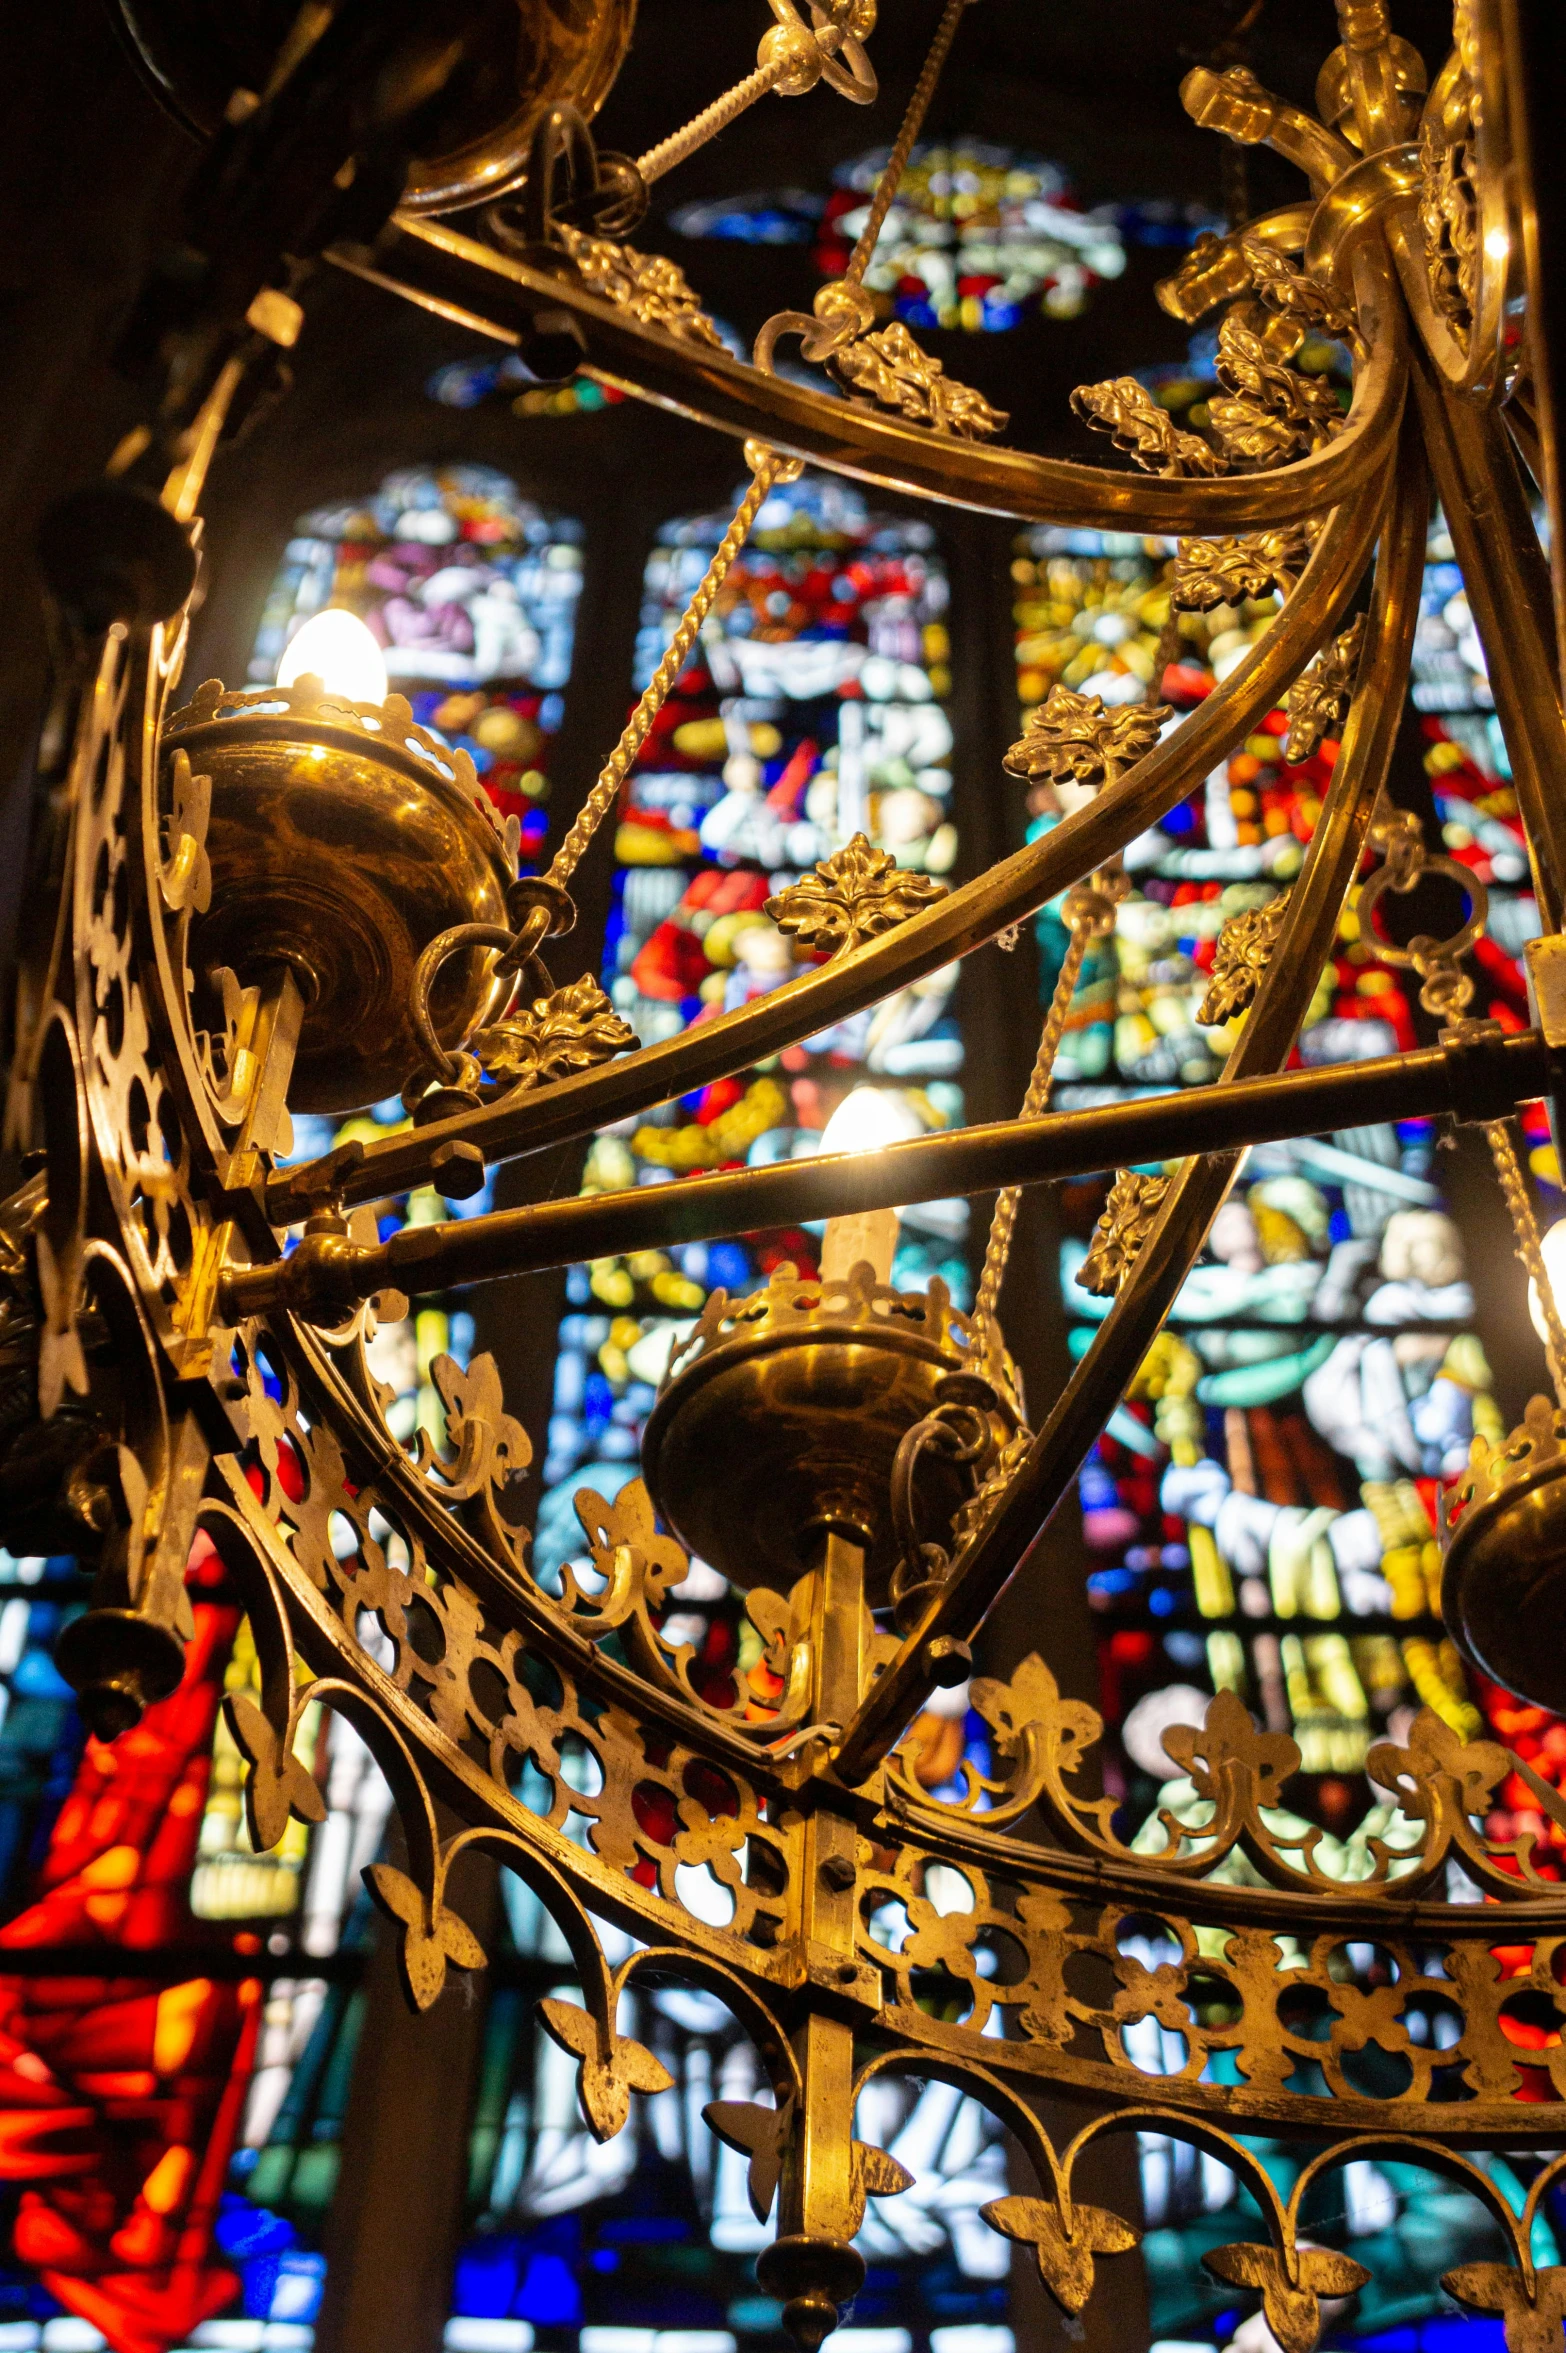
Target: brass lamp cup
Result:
[[1503, 1587], [780, 1418], [343, 839], [522, 57]]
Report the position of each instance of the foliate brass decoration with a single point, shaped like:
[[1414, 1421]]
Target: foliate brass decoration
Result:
[[573, 1029], [1320, 696], [1272, 413], [1294, 295], [1244, 951], [1449, 221], [1292, 2282], [1127, 411], [1129, 1216], [881, 365], [1212, 572], [885, 366], [854, 895], [892, 370], [1539, 1444], [648, 285], [1064, 2243], [392, 1580], [1076, 738]]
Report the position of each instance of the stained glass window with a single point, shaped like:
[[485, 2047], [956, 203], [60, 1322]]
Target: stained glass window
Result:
[[813, 709], [201, 2101], [978, 237], [1260, 1515], [471, 590]]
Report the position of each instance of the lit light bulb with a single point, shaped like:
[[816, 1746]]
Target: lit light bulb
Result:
[[1553, 1248], [336, 647], [867, 1120]]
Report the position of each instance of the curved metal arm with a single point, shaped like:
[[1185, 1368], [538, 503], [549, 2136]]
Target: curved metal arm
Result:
[[457, 276], [956, 924], [1052, 1462]]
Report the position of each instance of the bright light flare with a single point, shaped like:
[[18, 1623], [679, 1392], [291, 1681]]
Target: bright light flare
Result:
[[336, 647]]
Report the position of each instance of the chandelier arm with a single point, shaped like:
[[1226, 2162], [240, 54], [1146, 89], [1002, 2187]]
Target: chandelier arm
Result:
[[1319, 1906], [1487, 2120], [1508, 583], [440, 269], [1197, 1192], [955, 924], [1490, 1077]]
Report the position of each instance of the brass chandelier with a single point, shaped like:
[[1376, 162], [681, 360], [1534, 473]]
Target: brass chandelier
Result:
[[285, 896]]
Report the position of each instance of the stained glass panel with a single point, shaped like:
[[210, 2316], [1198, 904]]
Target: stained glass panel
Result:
[[1261, 1513], [814, 709]]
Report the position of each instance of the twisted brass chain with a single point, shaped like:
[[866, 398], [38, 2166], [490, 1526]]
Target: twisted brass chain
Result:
[[1525, 1228], [709, 122], [897, 162], [1090, 915], [767, 470], [1446, 991]]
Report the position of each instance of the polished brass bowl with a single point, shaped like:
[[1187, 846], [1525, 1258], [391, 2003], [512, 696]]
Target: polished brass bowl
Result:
[[520, 58], [781, 1416], [343, 839], [1503, 1587]]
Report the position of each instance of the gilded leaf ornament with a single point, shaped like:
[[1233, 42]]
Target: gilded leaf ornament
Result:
[[574, 1028], [1271, 414], [432, 1934], [874, 2174], [1320, 696], [186, 880], [612, 2065], [1291, 2300], [762, 2135], [1293, 295], [1213, 572], [1076, 738], [890, 368], [653, 289], [1065, 2245], [278, 1784], [1128, 413], [853, 896], [1533, 2315], [1244, 951], [1129, 1216], [1449, 220]]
